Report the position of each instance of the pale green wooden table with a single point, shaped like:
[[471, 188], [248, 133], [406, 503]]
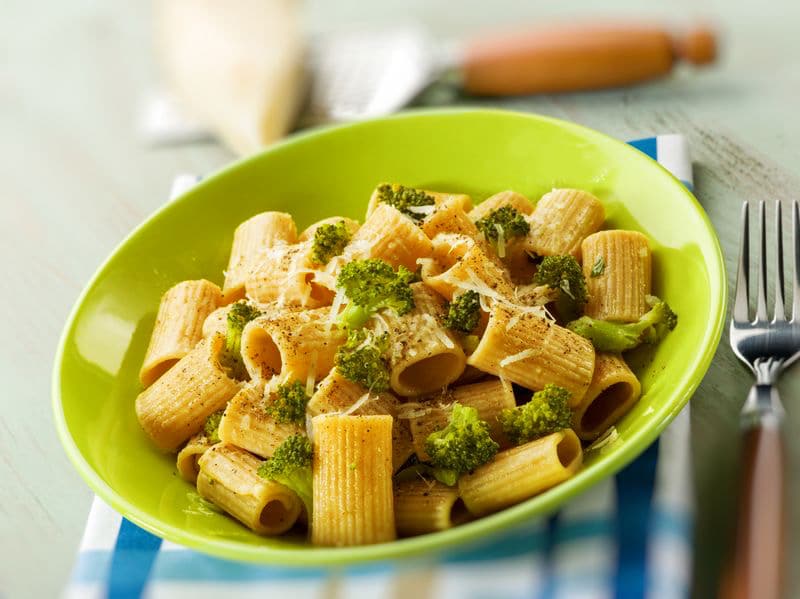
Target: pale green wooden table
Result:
[[76, 179]]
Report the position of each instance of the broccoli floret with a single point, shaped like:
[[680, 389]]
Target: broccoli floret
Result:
[[652, 327], [505, 221], [230, 358], [211, 427], [404, 199], [290, 466], [565, 274], [329, 241], [464, 312], [463, 445], [289, 403], [547, 412], [371, 285], [360, 359]]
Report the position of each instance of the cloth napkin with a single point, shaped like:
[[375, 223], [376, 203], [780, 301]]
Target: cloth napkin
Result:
[[628, 536]]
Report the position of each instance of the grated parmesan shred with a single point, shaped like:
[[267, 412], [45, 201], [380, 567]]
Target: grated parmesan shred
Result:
[[426, 209], [312, 374], [525, 353], [410, 410], [338, 300], [359, 403]]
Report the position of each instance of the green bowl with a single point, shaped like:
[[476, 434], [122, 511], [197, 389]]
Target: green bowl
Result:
[[332, 172]]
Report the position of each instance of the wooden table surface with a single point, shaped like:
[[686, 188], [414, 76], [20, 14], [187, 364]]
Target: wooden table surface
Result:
[[78, 178]]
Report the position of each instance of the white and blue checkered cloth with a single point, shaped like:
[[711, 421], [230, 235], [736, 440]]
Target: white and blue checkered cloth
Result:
[[627, 537]]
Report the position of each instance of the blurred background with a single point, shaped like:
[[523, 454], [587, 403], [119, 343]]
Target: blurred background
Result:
[[81, 168]]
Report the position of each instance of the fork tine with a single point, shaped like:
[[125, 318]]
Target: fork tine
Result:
[[740, 307], [796, 262], [780, 309], [761, 307]]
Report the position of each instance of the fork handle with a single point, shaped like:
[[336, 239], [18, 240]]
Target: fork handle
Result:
[[756, 569], [577, 57]]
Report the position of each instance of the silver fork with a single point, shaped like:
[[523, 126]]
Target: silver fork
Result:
[[767, 346]]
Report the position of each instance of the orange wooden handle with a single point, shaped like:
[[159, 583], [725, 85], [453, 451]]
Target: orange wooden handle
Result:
[[757, 566], [573, 58]]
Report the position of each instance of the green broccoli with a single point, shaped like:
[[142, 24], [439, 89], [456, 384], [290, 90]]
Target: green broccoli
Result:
[[371, 285], [565, 274], [405, 199], [360, 359], [290, 466], [329, 241], [547, 412], [464, 312], [463, 445], [289, 403], [505, 221], [230, 358], [651, 328], [211, 427]]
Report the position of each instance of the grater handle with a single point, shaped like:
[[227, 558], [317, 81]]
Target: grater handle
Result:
[[572, 58]]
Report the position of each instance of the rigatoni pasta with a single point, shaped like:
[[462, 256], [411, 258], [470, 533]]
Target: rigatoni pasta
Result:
[[423, 506], [522, 472], [561, 220], [179, 325], [176, 406], [613, 391], [436, 364], [229, 478], [353, 499], [525, 347], [250, 240], [618, 290]]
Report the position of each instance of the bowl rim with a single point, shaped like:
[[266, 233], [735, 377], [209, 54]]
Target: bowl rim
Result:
[[475, 531]]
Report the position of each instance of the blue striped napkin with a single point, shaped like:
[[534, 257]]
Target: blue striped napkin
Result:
[[629, 536]]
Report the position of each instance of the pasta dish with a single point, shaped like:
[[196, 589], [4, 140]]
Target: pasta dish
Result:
[[435, 364]]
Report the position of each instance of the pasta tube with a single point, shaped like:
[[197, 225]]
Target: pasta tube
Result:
[[423, 355], [459, 264], [298, 345], [450, 216], [250, 240], [229, 478], [188, 457], [521, 472], [176, 406], [179, 326], [561, 220], [336, 394], [284, 274], [522, 346], [246, 424], [216, 322], [489, 398], [391, 236], [613, 391], [619, 292], [422, 506], [352, 474]]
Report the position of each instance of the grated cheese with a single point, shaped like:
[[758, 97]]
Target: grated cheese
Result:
[[359, 403], [312, 374], [410, 410], [525, 353], [426, 210], [338, 300]]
